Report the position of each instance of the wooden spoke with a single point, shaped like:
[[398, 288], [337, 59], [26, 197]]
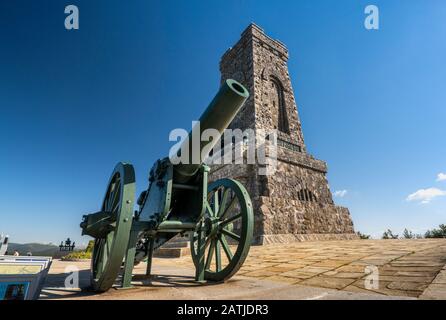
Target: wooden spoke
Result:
[[97, 251], [231, 234], [111, 195], [224, 200], [109, 201], [208, 207], [216, 202], [109, 241], [210, 254], [100, 261], [217, 256], [107, 204], [115, 199], [104, 254], [231, 219], [225, 246], [210, 196], [115, 208], [229, 208], [208, 241]]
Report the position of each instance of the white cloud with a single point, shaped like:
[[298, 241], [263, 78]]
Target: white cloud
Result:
[[340, 193], [426, 195], [441, 176]]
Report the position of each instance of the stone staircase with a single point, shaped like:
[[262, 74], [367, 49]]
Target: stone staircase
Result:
[[177, 247]]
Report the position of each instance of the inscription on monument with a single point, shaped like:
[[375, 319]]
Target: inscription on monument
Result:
[[288, 145]]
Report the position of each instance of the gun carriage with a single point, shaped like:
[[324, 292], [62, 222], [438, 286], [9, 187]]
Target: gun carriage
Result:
[[218, 216]]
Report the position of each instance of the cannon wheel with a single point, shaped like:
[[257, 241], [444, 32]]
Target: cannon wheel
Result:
[[228, 221], [109, 252]]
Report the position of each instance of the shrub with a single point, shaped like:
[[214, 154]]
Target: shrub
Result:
[[76, 255], [436, 233], [362, 235]]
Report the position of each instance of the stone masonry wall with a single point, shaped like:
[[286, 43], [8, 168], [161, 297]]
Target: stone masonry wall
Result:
[[295, 202]]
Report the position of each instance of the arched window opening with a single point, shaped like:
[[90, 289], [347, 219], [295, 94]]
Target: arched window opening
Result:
[[280, 119]]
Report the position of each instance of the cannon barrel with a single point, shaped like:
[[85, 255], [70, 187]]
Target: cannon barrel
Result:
[[218, 115]]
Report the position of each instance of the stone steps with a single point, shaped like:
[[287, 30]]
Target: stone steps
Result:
[[171, 252], [176, 244], [176, 248]]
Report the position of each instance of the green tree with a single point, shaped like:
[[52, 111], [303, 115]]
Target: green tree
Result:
[[389, 235], [407, 234], [436, 233]]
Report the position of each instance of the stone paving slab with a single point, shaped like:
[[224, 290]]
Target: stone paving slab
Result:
[[437, 289]]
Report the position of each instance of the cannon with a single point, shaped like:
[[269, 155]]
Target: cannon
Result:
[[218, 217]]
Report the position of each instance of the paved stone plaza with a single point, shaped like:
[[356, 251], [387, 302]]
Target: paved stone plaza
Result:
[[304, 270], [411, 268]]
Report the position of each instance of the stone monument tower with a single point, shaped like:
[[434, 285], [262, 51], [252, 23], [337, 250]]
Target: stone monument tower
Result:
[[295, 202]]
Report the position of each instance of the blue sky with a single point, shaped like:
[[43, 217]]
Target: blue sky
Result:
[[73, 103]]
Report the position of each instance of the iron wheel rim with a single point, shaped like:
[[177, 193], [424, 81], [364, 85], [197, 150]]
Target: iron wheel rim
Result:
[[228, 193], [109, 252]]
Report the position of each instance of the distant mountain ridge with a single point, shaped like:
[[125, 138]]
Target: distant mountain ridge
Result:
[[37, 249]]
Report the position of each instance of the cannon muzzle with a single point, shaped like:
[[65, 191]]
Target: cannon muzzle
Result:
[[218, 115]]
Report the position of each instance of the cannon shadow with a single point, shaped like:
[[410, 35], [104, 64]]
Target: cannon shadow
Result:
[[54, 287], [169, 280]]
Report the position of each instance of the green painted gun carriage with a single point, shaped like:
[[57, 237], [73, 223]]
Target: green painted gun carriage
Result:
[[217, 216]]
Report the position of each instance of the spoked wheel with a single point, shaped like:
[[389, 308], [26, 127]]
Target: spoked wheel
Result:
[[109, 251], [228, 225]]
